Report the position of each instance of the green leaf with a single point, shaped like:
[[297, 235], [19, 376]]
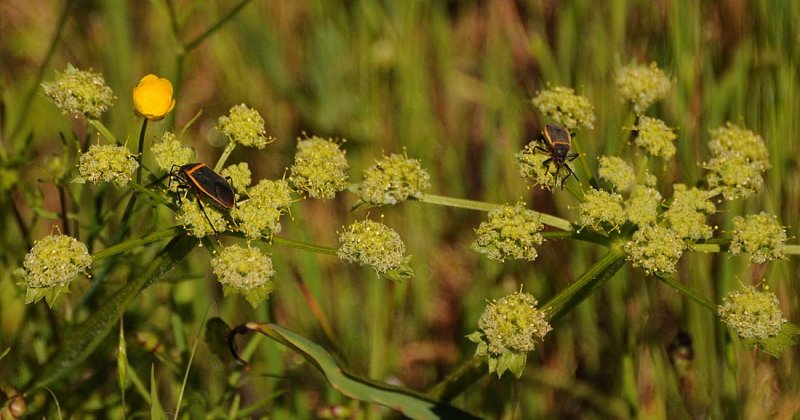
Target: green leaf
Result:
[[406, 401], [122, 361], [85, 338], [156, 410], [776, 344]]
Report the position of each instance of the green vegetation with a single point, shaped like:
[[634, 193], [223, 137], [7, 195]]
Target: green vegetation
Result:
[[660, 283]]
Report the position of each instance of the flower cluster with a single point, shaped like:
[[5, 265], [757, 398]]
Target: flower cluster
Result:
[[260, 215], [752, 313], [320, 168], [394, 179], [655, 137], [643, 205], [106, 163], [509, 328], [244, 126], [599, 207], [564, 107], [240, 176], [655, 248], [373, 244], [169, 152], [198, 221], [686, 215], [642, 85], [51, 265], [532, 166], [510, 232], [244, 270], [80, 92], [616, 171], [759, 235], [738, 157]]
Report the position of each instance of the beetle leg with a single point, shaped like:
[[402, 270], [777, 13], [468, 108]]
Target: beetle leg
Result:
[[203, 209], [572, 156]]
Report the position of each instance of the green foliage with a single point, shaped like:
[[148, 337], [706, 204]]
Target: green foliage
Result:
[[709, 128]]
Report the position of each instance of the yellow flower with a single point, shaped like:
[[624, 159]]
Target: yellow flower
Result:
[[152, 97]]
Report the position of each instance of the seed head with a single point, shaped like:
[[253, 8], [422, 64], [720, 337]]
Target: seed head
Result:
[[655, 249], [106, 163], [245, 126], [372, 243], [565, 108], [686, 215], [51, 265], [320, 168], [738, 157], [642, 85], [260, 215], [393, 179], [759, 235], [245, 270], [169, 152], [655, 137], [616, 171], [600, 207], [80, 92], [643, 205], [510, 232], [752, 313], [509, 328]]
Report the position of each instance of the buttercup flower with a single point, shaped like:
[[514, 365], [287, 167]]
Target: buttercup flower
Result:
[[509, 328], [107, 163], [739, 156], [169, 152], [565, 108], [51, 265], [759, 235], [372, 243], [244, 270], [80, 92], [152, 97], [752, 313], [245, 126], [320, 168], [510, 232], [394, 179], [642, 85]]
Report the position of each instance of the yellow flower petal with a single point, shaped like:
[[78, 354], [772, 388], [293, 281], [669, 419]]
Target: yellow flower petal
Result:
[[152, 97]]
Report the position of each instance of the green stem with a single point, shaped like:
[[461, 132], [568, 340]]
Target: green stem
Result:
[[688, 292], [133, 243], [213, 28], [148, 192], [26, 103], [291, 243], [103, 130], [590, 280], [470, 372], [140, 153], [224, 157], [547, 219]]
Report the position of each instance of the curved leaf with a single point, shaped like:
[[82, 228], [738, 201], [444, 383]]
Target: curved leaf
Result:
[[406, 401]]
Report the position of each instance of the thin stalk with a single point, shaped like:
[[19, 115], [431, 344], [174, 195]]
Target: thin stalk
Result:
[[62, 200], [140, 152], [224, 157], [291, 243], [133, 243], [688, 292], [547, 219], [316, 309], [188, 47]]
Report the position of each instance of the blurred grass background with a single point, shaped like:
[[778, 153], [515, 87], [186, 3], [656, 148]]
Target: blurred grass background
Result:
[[451, 83]]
